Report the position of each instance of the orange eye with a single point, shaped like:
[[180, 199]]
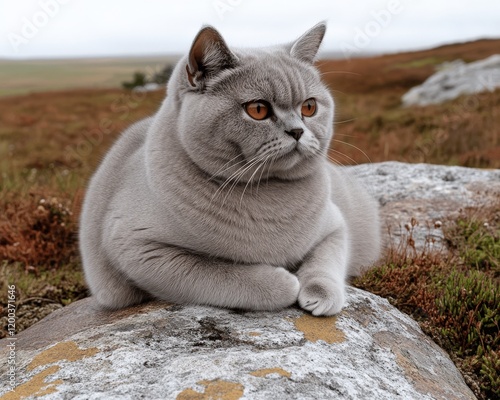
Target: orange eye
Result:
[[309, 108], [258, 110]]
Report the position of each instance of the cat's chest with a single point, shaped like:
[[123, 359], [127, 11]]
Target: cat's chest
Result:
[[274, 224]]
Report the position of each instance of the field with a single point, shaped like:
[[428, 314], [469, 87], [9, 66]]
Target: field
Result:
[[22, 77], [369, 115], [52, 141]]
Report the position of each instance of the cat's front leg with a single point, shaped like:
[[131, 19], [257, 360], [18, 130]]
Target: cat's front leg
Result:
[[322, 275], [180, 276]]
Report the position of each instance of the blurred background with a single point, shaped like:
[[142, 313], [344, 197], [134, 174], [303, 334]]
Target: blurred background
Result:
[[373, 53]]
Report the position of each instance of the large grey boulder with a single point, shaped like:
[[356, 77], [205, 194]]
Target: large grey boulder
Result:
[[430, 195], [163, 351], [456, 79]]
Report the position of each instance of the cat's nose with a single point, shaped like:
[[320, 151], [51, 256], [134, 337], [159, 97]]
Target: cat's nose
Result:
[[295, 133]]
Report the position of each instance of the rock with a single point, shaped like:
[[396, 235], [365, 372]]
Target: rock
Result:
[[162, 351], [30, 312], [148, 87], [426, 194], [158, 350], [455, 79]]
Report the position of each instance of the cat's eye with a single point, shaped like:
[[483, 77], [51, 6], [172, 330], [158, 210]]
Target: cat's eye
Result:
[[309, 108], [258, 110]]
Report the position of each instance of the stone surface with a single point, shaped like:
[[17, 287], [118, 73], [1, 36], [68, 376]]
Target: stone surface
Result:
[[162, 351], [455, 79], [428, 194], [148, 87]]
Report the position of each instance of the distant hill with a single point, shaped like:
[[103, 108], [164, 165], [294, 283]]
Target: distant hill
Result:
[[369, 117], [406, 69], [401, 71], [25, 76]]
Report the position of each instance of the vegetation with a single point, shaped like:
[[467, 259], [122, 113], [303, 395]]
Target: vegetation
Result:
[[160, 77], [19, 77], [455, 294], [50, 143], [369, 113], [138, 80]]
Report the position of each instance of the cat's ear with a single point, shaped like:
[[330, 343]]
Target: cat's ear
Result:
[[209, 55], [306, 47]]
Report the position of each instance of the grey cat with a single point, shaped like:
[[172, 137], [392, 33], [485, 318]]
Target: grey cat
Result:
[[226, 197]]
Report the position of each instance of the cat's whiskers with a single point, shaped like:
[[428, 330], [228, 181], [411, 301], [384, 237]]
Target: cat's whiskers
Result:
[[324, 153], [336, 162], [262, 172], [343, 155], [233, 175], [356, 147], [344, 122], [244, 170], [275, 156], [339, 72], [346, 135], [236, 176], [232, 181], [251, 179], [257, 159], [222, 169]]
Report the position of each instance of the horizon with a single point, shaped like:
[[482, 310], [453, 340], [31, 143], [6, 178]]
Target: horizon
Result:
[[322, 55], [59, 29]]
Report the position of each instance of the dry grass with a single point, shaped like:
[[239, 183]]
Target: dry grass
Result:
[[19, 77], [37, 231], [370, 116]]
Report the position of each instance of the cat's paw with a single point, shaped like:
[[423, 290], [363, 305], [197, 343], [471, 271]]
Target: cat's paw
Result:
[[277, 289], [286, 286], [322, 296]]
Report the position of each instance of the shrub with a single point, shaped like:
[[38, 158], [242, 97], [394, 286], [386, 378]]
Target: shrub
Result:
[[467, 312], [38, 232], [139, 79]]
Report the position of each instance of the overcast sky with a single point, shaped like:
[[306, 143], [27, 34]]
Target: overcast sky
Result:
[[69, 28]]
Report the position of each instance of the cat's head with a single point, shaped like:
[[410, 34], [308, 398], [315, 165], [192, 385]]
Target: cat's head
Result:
[[245, 114]]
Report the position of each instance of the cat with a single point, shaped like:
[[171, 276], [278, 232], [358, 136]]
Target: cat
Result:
[[226, 196]]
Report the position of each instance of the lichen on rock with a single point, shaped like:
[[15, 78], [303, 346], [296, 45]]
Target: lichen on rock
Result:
[[370, 350]]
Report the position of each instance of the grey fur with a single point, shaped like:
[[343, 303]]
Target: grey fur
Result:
[[203, 204]]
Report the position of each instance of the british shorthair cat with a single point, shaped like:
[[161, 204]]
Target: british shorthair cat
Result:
[[226, 196]]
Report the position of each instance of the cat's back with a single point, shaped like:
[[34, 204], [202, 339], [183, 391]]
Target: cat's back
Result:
[[114, 172], [124, 149]]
